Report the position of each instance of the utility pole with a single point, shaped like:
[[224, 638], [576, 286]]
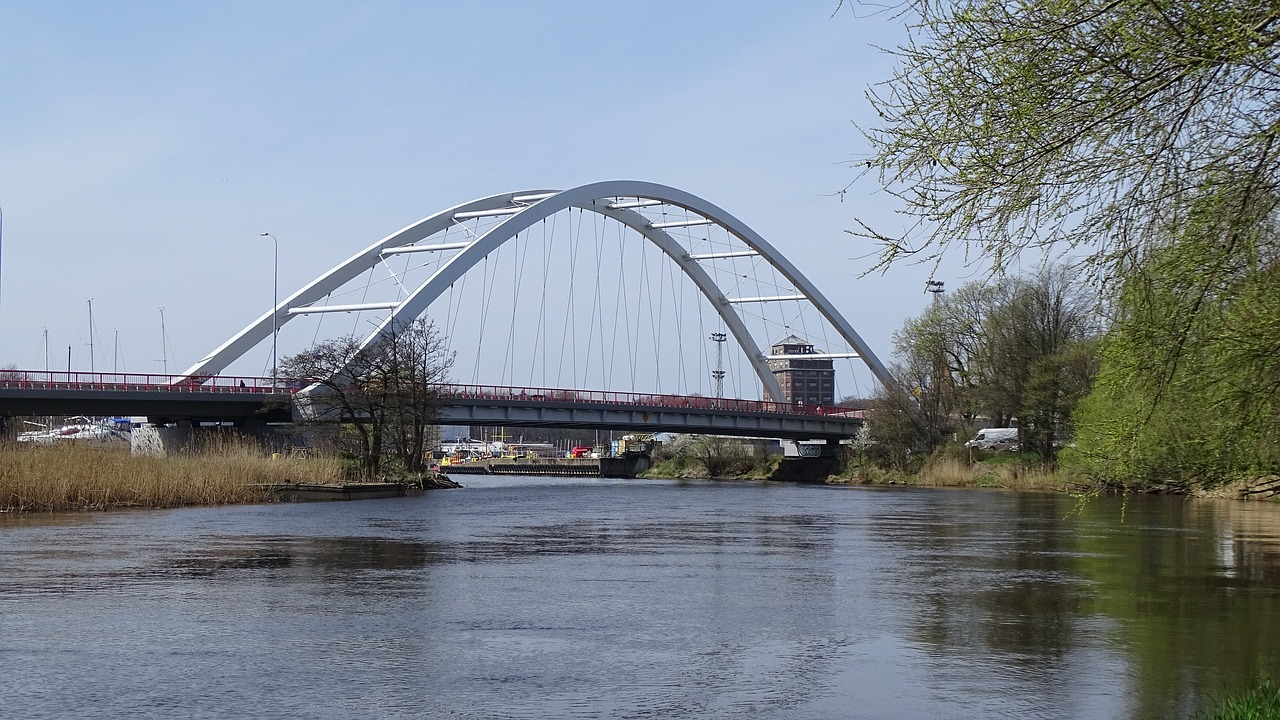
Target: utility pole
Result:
[[718, 374]]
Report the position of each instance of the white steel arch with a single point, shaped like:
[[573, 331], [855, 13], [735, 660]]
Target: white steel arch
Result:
[[524, 209]]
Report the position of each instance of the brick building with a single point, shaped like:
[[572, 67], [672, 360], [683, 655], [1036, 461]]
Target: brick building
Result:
[[806, 380]]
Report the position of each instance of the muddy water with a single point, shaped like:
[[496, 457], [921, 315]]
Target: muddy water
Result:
[[541, 597]]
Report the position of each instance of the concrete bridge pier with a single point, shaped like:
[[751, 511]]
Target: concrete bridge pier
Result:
[[186, 439], [807, 461], [808, 448]]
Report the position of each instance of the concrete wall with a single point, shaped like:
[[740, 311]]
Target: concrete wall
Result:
[[163, 441]]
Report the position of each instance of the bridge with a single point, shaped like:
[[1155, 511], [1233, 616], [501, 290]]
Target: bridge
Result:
[[560, 271], [258, 401]]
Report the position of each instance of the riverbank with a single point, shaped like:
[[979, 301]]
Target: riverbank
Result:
[[1260, 701], [72, 477], [1010, 473], [1006, 472], [1013, 472], [992, 471], [313, 491], [689, 468]]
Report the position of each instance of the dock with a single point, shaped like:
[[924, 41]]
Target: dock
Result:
[[306, 492]]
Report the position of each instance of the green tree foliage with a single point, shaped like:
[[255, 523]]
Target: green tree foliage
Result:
[[1038, 353], [1140, 135], [1077, 123], [1019, 349], [1189, 391], [388, 391]]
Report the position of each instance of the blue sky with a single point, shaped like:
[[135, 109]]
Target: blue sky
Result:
[[145, 145]]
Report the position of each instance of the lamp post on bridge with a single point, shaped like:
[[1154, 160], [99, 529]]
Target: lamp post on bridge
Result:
[[275, 299]]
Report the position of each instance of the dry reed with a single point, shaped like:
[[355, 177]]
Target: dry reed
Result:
[[71, 477], [952, 471]]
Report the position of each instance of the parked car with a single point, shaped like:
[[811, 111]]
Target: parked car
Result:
[[996, 439]]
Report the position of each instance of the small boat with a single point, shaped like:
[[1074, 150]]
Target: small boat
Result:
[[107, 432]]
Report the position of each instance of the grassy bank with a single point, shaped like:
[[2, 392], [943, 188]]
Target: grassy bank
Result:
[[685, 468], [1259, 702], [1004, 471], [70, 477], [1011, 472], [958, 468]]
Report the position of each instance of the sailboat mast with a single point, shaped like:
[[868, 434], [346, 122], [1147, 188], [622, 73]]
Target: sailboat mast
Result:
[[164, 344], [91, 368]]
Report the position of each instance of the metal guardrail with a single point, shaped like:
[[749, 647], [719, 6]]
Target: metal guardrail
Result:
[[608, 397], [146, 382], [151, 382]]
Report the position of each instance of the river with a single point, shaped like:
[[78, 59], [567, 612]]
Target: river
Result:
[[555, 597]]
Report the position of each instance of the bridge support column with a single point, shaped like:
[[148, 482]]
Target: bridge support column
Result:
[[807, 461], [161, 441], [808, 448], [166, 440]]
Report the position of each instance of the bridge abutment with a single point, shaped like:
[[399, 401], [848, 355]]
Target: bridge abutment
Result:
[[170, 440]]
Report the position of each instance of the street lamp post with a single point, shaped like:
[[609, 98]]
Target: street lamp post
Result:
[[275, 299]]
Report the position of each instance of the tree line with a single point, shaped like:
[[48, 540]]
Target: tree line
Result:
[[1140, 137], [1019, 351]]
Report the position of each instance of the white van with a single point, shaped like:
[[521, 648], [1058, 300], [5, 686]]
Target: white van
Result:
[[995, 439]]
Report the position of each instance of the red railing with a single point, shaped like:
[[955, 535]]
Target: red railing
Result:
[[608, 397], [40, 379], [75, 380]]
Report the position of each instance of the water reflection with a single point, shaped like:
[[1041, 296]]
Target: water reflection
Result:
[[1191, 629], [590, 599], [1186, 589]]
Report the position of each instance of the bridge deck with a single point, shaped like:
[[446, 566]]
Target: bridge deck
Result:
[[271, 400]]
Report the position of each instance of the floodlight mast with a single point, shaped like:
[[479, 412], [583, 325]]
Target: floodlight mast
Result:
[[718, 373]]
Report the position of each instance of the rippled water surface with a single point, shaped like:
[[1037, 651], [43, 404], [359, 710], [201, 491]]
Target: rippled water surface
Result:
[[545, 597]]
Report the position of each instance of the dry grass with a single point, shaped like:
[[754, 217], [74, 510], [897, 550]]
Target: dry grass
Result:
[[69, 477], [951, 471]]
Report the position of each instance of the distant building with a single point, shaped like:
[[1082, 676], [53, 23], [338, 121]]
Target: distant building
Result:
[[806, 380]]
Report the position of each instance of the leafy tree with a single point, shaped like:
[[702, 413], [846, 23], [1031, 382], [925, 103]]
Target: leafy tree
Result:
[[1019, 348], [1039, 360], [897, 428], [721, 457], [388, 391], [1140, 136], [1077, 124], [1189, 390], [928, 392]]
